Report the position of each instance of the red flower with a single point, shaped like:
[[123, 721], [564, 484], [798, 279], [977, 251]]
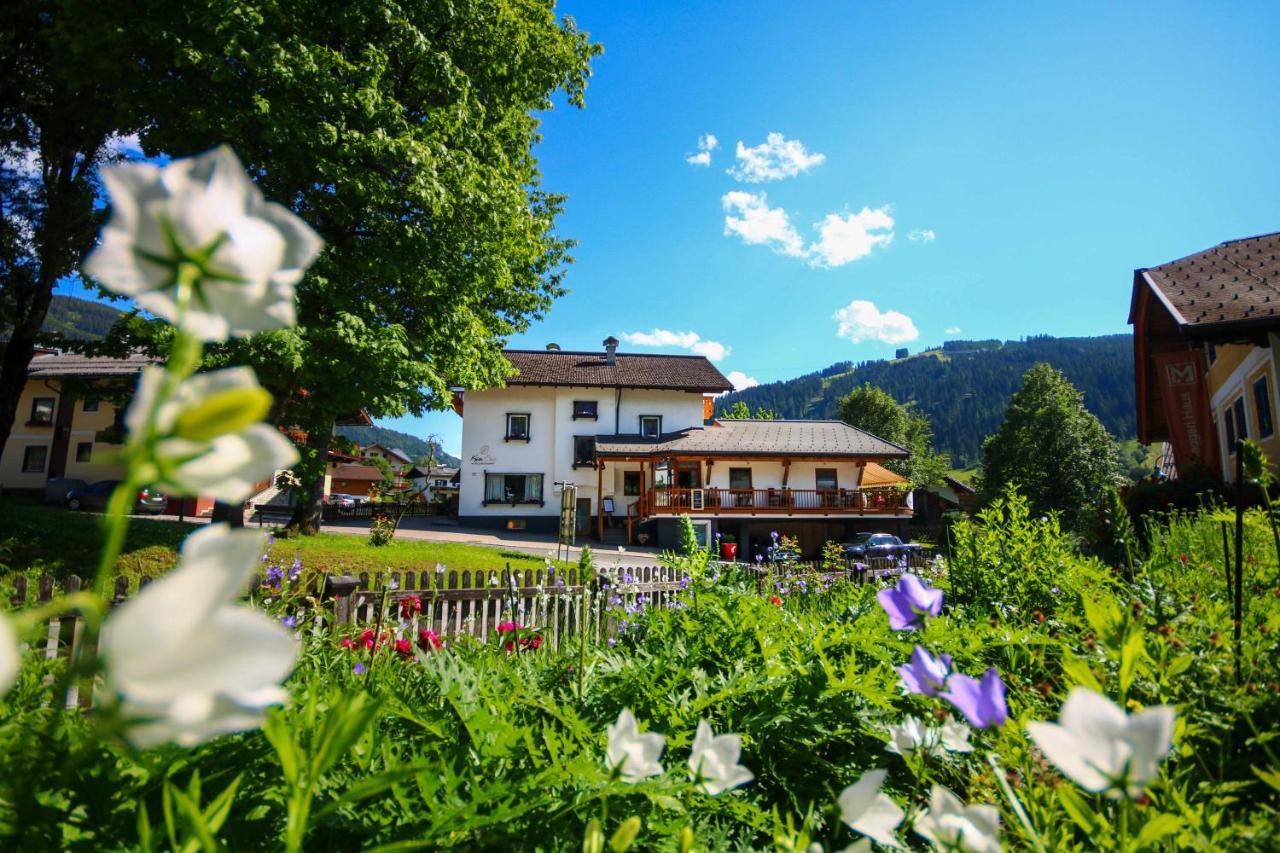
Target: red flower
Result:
[[405, 648], [410, 606], [428, 640], [773, 599], [367, 638], [348, 643], [504, 627], [532, 643]]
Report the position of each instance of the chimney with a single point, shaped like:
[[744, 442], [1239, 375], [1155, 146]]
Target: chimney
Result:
[[611, 350], [553, 347]]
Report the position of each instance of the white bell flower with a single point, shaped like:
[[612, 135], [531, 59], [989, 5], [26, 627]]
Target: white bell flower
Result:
[[635, 754], [189, 662], [951, 825], [866, 810], [210, 440], [714, 761], [914, 735], [204, 211], [1100, 748], [10, 654]]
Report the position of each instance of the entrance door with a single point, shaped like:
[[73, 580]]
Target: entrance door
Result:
[[584, 516], [687, 475]]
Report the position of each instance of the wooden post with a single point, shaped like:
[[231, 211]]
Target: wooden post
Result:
[[644, 492], [600, 500]]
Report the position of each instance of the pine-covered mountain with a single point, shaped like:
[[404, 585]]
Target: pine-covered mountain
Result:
[[79, 319], [964, 386], [395, 440]]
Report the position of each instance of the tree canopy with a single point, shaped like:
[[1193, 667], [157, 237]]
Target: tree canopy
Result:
[[876, 411], [1052, 449], [739, 411], [404, 135]]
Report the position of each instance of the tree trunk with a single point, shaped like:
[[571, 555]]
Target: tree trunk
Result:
[[17, 356], [309, 511], [232, 514]]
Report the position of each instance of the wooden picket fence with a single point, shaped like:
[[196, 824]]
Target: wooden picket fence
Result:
[[473, 604], [458, 604]]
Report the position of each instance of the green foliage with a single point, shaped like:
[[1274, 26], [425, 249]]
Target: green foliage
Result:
[[1008, 560], [740, 412], [965, 389], [1057, 454], [474, 747], [381, 530], [875, 411]]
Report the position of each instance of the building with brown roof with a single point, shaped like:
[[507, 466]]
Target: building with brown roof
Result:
[[69, 423], [631, 437], [1205, 348]]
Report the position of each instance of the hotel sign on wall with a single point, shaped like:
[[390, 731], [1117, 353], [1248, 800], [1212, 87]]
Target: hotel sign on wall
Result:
[[1186, 409]]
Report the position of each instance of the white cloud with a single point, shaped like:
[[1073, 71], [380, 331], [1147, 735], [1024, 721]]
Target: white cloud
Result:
[[842, 239], [922, 235], [707, 143], [954, 330], [740, 380], [748, 215], [691, 341], [773, 160], [861, 320]]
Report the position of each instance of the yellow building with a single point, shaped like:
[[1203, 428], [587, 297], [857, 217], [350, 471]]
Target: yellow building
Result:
[[67, 425], [1206, 342]]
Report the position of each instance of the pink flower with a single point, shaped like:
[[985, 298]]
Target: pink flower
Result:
[[428, 640], [505, 627], [410, 606], [405, 648]]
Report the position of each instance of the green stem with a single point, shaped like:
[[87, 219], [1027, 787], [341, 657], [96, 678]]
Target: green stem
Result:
[[1015, 803], [1124, 825]]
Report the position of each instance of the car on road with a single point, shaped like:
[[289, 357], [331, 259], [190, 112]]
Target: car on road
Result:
[[865, 546], [96, 495]]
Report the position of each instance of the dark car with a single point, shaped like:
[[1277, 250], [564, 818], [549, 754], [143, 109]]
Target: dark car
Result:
[[865, 546], [96, 495]]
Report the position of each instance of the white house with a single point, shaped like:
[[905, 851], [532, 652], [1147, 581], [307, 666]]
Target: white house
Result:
[[635, 434]]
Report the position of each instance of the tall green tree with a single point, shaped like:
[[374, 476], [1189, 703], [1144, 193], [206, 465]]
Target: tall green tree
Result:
[[1052, 449], [404, 134], [740, 412], [69, 72], [876, 411]]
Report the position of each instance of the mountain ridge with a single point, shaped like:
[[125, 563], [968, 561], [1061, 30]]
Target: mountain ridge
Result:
[[964, 386]]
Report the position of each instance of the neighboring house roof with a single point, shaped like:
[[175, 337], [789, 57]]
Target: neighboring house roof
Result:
[[347, 471], [404, 456], [74, 364], [960, 486], [391, 451], [1236, 283], [628, 370], [756, 438]]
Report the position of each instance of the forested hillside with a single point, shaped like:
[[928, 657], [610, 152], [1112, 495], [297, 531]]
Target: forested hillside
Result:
[[965, 386], [390, 438], [79, 319]]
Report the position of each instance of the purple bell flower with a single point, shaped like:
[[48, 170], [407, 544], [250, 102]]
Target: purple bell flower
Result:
[[925, 674], [909, 602], [982, 702]]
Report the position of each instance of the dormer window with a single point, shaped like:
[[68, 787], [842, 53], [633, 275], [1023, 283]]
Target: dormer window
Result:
[[651, 426], [585, 410], [517, 426]]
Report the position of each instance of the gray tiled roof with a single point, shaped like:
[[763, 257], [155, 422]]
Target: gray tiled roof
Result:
[[629, 370], [756, 438], [1234, 282], [73, 364]]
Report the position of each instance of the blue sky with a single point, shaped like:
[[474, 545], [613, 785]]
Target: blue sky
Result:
[[1024, 159]]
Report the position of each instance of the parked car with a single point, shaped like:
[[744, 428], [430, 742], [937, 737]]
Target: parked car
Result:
[[343, 501], [866, 546], [96, 495]]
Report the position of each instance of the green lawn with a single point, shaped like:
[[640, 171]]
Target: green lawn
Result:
[[36, 539]]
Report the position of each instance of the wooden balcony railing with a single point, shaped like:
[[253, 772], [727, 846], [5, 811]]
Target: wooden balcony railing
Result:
[[679, 501]]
